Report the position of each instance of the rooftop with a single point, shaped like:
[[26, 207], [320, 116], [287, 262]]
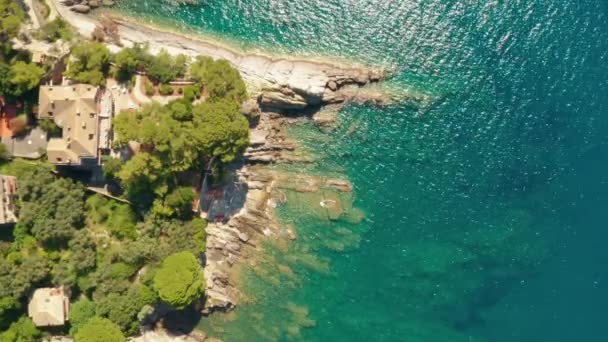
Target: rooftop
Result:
[[74, 108], [49, 307]]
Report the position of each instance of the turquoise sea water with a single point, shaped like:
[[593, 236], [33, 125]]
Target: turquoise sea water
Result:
[[485, 213]]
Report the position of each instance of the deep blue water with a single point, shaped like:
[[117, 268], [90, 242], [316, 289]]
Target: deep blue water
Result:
[[486, 210]]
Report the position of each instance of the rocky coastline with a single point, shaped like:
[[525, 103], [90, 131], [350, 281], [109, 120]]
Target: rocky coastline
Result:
[[236, 243], [284, 90]]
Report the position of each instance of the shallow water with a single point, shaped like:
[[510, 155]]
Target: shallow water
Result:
[[484, 212]]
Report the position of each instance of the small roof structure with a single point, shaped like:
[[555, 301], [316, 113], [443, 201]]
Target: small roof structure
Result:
[[8, 193], [49, 307]]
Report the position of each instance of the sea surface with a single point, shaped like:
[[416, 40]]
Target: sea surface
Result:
[[485, 209]]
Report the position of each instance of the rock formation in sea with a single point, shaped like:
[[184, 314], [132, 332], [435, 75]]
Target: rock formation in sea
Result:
[[238, 241]]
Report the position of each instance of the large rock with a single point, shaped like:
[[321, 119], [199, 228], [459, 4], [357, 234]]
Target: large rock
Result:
[[282, 100], [80, 9]]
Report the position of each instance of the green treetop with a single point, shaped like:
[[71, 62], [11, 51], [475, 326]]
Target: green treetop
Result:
[[221, 80], [222, 131], [50, 209], [25, 77], [23, 330], [99, 330], [180, 280], [11, 17], [89, 63]]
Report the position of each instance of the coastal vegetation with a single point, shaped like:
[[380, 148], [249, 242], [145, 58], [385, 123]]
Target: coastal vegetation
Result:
[[17, 75], [119, 260]]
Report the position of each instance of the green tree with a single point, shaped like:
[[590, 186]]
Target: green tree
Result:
[[224, 82], [111, 166], [122, 309], [11, 17], [50, 127], [221, 79], [23, 330], [99, 330], [140, 173], [18, 273], [130, 60], [179, 202], [81, 312], [161, 68], [199, 69], [55, 30], [51, 209], [165, 89], [222, 131], [89, 63], [180, 280], [78, 260], [121, 222], [26, 76]]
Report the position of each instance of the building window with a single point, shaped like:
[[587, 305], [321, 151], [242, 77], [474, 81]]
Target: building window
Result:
[[91, 136], [58, 160], [92, 115], [50, 113]]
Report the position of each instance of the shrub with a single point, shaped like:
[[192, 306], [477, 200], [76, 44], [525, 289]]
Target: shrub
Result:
[[166, 89], [149, 88], [99, 329], [21, 331], [55, 30], [192, 92], [81, 312]]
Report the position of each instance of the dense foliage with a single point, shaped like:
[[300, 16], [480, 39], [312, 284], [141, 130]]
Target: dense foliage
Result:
[[180, 280], [99, 330], [175, 138], [17, 75], [118, 260], [89, 63], [55, 30], [222, 81], [23, 330], [52, 209]]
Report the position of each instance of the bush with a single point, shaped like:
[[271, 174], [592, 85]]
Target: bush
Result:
[[166, 89], [89, 63], [180, 280], [23, 330], [149, 88], [81, 312], [55, 30], [99, 329], [192, 92]]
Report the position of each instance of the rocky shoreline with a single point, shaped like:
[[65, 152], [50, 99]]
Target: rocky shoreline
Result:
[[238, 241], [279, 86]]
